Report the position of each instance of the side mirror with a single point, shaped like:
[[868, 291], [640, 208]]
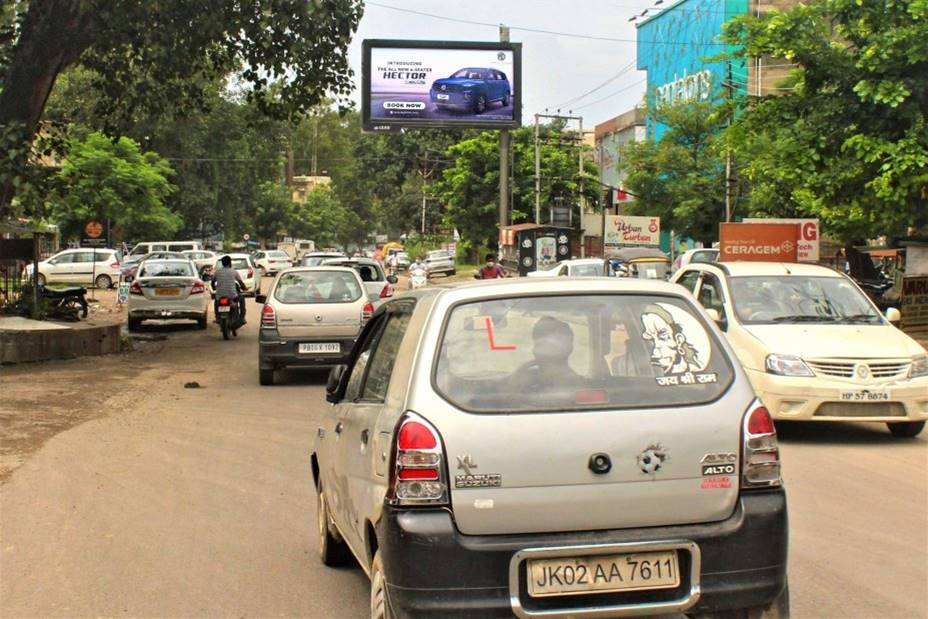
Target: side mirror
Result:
[[335, 387], [717, 319], [261, 298], [893, 315], [392, 279]]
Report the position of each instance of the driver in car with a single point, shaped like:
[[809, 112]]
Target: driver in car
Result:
[[553, 342]]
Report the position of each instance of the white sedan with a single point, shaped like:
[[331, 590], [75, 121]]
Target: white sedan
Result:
[[582, 267], [167, 290], [272, 261], [246, 267]]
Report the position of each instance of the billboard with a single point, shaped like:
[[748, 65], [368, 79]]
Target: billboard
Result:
[[758, 242], [440, 84], [624, 230], [808, 235]]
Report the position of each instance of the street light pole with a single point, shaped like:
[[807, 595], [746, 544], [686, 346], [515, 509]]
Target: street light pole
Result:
[[504, 145]]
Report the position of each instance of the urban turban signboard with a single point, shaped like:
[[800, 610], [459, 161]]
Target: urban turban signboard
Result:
[[758, 242], [625, 230], [440, 84]]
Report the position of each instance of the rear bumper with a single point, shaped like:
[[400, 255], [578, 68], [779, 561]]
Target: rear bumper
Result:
[[276, 351], [433, 570]]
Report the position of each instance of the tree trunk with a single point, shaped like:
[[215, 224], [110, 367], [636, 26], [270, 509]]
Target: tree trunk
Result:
[[54, 35]]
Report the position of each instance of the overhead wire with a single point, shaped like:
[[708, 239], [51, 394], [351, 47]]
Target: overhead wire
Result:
[[621, 72]]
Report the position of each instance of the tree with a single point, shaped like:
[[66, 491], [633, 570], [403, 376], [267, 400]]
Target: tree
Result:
[[273, 212], [469, 187], [112, 180], [156, 54], [846, 138], [324, 220], [681, 177]]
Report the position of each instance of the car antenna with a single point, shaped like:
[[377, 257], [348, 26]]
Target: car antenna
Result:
[[786, 268]]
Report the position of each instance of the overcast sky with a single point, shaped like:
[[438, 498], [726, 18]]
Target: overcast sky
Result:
[[555, 69]]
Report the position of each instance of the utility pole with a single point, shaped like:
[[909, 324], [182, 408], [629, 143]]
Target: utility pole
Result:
[[729, 87], [537, 174], [426, 173], [602, 158], [582, 201], [504, 145], [315, 140]]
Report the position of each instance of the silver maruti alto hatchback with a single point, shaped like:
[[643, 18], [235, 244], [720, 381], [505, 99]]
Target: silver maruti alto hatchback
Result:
[[580, 447]]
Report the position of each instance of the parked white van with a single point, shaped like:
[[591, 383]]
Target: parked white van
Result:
[[147, 247]]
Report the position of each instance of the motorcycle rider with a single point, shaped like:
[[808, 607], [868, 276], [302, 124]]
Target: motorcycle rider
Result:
[[228, 283], [490, 270], [420, 269]]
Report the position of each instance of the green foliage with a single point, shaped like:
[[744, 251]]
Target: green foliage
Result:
[[847, 140], [326, 221], [273, 212], [113, 180], [680, 178], [469, 187]]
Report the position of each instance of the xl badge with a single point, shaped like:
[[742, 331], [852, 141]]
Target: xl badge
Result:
[[475, 480], [718, 464]]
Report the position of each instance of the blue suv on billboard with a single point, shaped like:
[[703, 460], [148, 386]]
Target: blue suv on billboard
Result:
[[472, 89]]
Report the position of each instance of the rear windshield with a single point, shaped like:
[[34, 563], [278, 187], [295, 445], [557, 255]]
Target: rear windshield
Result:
[[278, 254], [240, 264], [583, 351], [368, 272], [587, 270], [314, 261], [317, 287], [151, 268]]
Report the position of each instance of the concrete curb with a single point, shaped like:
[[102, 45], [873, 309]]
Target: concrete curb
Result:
[[45, 345]]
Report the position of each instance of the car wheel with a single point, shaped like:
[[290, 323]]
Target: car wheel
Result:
[[909, 429], [506, 100], [134, 324], [266, 377], [332, 550], [380, 604], [201, 322], [103, 281], [480, 105], [41, 279]]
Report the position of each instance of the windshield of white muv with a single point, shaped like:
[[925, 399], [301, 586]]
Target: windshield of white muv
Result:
[[795, 299], [584, 351]]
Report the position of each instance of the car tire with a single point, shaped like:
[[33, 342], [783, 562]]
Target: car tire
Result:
[[332, 549], [41, 280], [103, 281], [506, 100], [201, 322], [134, 324], [906, 429], [380, 602], [266, 376], [480, 105]]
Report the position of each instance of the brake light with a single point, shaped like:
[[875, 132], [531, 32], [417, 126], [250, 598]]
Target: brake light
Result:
[[223, 300], [198, 288], [251, 273], [135, 288], [760, 456], [387, 291], [367, 312], [268, 317], [114, 265], [417, 476]]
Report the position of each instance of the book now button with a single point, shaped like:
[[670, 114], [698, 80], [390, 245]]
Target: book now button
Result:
[[403, 105]]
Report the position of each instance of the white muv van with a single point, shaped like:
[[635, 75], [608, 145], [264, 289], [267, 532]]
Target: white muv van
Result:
[[141, 249]]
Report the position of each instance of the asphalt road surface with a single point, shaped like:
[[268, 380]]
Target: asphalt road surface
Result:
[[125, 493]]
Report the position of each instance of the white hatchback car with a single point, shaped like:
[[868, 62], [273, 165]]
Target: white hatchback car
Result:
[[246, 267], [167, 290], [272, 261], [574, 447], [79, 266], [580, 267], [814, 346]]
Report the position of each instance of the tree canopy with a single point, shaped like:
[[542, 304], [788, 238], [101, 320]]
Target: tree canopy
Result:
[[845, 137]]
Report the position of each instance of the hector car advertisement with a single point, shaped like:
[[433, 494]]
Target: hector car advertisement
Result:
[[438, 84]]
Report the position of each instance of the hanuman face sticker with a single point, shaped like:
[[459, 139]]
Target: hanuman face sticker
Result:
[[679, 344]]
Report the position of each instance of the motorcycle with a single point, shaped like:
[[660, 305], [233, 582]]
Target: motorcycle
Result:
[[229, 313], [418, 278], [67, 303]]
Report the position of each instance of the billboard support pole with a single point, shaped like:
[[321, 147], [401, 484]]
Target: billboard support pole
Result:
[[729, 87], [582, 201], [504, 145]]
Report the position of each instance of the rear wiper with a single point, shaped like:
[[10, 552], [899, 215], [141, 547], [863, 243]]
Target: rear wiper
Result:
[[855, 318], [804, 318]]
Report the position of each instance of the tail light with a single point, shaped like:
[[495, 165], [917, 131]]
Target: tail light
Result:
[[418, 475], [367, 312], [251, 273], [760, 458], [198, 288], [268, 317], [114, 265], [135, 288], [224, 300], [386, 292]]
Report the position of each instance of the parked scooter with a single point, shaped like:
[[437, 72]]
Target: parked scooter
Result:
[[66, 304], [418, 278]]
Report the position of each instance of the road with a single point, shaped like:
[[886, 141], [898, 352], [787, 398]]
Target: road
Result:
[[125, 493]]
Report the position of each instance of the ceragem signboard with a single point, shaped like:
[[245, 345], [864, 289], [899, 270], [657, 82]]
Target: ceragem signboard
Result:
[[808, 235], [440, 84], [758, 242]]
